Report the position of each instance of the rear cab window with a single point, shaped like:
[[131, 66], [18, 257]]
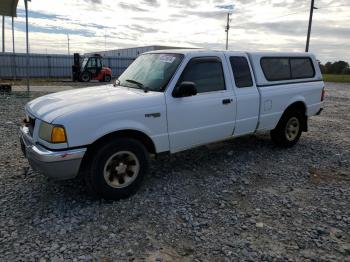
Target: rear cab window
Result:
[[241, 71], [287, 68]]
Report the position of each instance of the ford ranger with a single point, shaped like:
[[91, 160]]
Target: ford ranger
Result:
[[169, 101]]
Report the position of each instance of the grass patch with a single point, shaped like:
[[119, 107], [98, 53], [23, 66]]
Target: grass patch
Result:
[[336, 78]]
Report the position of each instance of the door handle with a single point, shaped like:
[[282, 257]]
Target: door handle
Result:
[[226, 101]]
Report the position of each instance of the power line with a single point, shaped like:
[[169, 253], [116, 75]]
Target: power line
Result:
[[331, 6], [236, 25], [271, 18], [201, 18]]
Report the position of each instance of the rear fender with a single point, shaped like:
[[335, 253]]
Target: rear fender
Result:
[[294, 101]]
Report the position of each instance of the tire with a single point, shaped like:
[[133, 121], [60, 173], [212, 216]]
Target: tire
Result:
[[85, 77], [288, 130], [107, 78], [107, 179]]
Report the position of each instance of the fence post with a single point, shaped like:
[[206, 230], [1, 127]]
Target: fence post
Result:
[[49, 66], [14, 67]]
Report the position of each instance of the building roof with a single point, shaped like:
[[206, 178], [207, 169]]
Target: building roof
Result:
[[8, 7]]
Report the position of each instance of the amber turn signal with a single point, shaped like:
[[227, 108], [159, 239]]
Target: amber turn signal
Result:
[[58, 135]]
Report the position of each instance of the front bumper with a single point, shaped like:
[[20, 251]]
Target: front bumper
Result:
[[59, 165]]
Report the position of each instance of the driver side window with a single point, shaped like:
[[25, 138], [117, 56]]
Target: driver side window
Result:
[[206, 72]]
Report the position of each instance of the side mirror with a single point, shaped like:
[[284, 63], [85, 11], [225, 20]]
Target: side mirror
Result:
[[185, 89]]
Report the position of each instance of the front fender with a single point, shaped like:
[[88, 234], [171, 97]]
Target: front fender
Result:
[[119, 126]]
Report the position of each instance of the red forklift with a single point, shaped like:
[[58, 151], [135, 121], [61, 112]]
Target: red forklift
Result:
[[90, 68]]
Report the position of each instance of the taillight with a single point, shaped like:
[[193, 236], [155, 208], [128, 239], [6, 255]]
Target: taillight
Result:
[[323, 94]]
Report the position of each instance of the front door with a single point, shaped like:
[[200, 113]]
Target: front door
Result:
[[208, 116]]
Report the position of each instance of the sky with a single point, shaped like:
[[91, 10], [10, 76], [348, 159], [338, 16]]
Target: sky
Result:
[[256, 25]]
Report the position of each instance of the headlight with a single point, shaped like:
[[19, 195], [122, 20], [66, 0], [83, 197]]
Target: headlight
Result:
[[52, 133]]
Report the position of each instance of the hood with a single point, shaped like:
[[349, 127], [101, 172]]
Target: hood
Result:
[[108, 97]]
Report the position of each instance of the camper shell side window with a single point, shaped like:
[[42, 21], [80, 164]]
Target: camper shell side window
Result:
[[287, 68]]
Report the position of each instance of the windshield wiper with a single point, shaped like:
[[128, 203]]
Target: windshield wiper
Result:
[[138, 84]]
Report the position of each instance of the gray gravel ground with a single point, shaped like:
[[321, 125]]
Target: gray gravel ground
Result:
[[242, 200]]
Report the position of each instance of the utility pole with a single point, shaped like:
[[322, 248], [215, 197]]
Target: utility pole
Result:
[[68, 44], [27, 43], [227, 29], [310, 25], [3, 34], [14, 73], [13, 35], [229, 9]]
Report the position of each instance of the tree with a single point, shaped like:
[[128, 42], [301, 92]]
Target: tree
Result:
[[339, 67]]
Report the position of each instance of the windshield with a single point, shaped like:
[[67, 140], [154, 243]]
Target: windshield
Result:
[[84, 62], [151, 71]]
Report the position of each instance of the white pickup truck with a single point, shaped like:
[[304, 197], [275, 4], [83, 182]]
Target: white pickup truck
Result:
[[169, 101]]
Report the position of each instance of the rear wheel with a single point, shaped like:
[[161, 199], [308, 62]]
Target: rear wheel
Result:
[[107, 78], [117, 168], [85, 77], [288, 130]]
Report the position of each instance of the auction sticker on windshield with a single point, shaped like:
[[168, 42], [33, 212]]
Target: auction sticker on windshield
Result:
[[167, 58]]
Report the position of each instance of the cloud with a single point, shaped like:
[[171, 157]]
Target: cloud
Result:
[[255, 25], [94, 1], [141, 29], [131, 7], [153, 3]]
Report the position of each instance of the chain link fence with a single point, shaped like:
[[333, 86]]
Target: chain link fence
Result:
[[13, 66]]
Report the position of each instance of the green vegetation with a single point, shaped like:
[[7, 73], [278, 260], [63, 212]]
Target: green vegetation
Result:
[[338, 72], [336, 78], [338, 68]]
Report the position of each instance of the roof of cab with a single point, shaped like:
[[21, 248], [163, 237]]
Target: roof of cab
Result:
[[180, 51], [255, 53]]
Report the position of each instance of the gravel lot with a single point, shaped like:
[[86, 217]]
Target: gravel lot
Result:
[[242, 200]]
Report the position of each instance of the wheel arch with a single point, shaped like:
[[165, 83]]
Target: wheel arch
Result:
[[300, 106], [128, 133], [297, 105]]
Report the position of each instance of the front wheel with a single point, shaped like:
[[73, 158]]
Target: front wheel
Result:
[[117, 168], [288, 130], [85, 77]]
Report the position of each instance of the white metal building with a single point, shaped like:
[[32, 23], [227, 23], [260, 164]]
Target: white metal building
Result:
[[133, 52]]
